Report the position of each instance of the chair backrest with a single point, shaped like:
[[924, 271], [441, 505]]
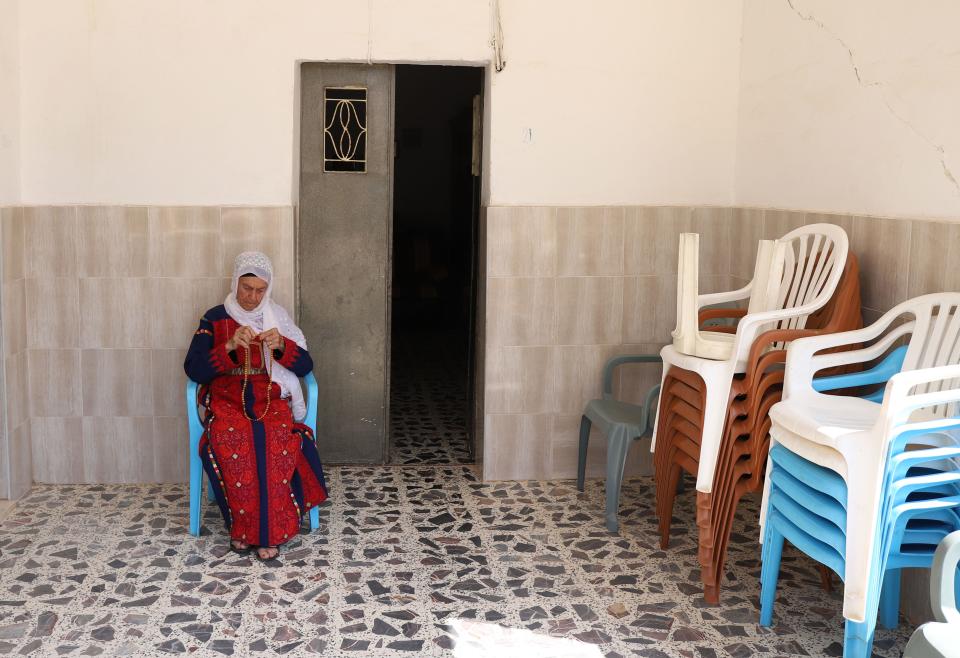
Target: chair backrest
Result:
[[814, 259], [933, 322]]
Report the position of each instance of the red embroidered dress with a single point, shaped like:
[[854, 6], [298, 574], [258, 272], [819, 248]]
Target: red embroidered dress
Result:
[[266, 474]]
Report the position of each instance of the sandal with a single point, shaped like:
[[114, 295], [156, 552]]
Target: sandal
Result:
[[262, 558], [240, 547]]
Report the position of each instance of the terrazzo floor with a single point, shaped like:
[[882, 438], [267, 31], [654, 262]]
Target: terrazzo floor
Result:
[[404, 556], [428, 402]]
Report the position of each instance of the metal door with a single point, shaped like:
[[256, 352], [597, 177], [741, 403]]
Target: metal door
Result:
[[343, 252]]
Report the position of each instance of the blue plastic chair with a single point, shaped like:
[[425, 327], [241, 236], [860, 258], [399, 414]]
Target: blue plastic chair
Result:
[[622, 423], [196, 467], [920, 510]]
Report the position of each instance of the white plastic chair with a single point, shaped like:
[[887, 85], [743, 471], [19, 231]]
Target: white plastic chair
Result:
[[940, 638], [851, 435], [803, 268]]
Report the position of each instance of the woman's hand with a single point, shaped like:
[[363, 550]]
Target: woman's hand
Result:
[[242, 337], [272, 339]]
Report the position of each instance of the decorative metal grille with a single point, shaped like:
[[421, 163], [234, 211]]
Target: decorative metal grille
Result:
[[345, 129]]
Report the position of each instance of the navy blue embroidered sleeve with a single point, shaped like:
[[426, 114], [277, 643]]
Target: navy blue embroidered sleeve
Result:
[[205, 361], [294, 358]]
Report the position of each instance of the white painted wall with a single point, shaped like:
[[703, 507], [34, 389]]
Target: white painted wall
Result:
[[9, 102], [136, 101], [850, 107]]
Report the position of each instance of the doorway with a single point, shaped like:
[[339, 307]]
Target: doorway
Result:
[[433, 293], [387, 244]]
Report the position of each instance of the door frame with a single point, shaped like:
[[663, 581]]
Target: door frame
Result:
[[476, 412]]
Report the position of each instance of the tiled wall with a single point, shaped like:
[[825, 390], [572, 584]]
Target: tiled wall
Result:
[[113, 296], [568, 288], [15, 451], [99, 304]]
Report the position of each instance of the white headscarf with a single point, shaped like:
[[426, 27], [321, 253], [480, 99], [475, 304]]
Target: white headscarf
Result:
[[268, 315]]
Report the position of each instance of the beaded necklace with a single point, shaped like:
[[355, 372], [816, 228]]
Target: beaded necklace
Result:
[[246, 377]]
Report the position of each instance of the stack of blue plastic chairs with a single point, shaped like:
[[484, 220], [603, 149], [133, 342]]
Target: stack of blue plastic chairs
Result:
[[807, 506]]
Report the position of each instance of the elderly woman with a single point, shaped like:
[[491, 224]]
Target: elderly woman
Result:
[[261, 460]]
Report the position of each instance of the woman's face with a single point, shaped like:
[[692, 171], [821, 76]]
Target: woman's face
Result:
[[250, 292]]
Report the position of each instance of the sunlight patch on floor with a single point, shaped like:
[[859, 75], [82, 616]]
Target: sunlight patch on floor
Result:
[[477, 639]]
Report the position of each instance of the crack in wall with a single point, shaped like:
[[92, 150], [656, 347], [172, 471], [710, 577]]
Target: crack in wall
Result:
[[881, 87]]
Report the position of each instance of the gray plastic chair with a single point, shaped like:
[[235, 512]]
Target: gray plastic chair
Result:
[[622, 423], [941, 638]]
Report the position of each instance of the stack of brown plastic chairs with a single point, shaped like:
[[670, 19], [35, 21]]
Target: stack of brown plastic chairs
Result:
[[743, 452]]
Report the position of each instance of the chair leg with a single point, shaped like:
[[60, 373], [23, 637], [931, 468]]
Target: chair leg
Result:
[[857, 639], [314, 518], [210, 495], [890, 599], [618, 444], [196, 491], [770, 572], [582, 458]]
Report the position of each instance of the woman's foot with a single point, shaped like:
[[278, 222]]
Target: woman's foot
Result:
[[265, 553], [239, 546]]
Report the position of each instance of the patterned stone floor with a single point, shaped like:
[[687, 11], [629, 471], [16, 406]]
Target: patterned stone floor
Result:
[[428, 402], [401, 554]]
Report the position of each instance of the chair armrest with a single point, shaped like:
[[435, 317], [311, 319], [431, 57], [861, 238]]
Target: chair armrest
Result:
[[709, 299], [879, 374], [802, 365], [899, 402], [942, 575], [611, 365]]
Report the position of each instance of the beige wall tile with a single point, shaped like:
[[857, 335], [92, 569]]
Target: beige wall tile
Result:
[[521, 241], [843, 221], [118, 449], [517, 446], [171, 447], [180, 303], [17, 387], [777, 223], [713, 225], [746, 229], [652, 238], [590, 241], [883, 246], [14, 317], [117, 312], [185, 242], [21, 461], [930, 244], [266, 229], [57, 450], [283, 293], [13, 243], [117, 382], [649, 309], [521, 311], [578, 375], [55, 383], [53, 313], [169, 380], [113, 241], [589, 310], [519, 379], [50, 241]]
